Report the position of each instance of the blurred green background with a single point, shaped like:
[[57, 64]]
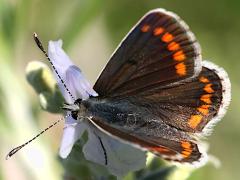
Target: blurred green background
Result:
[[91, 29]]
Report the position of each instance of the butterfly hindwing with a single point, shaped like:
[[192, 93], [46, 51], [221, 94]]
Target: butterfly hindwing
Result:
[[191, 105], [158, 51], [177, 150]]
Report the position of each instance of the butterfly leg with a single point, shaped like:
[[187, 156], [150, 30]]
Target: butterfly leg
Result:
[[104, 150]]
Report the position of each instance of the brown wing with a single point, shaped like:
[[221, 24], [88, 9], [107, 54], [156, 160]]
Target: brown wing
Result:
[[191, 106], [184, 151], [158, 51]]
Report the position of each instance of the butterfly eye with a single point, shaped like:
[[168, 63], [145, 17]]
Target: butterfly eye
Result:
[[74, 115], [78, 101]]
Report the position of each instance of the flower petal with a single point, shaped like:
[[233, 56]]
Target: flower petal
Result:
[[121, 157], [71, 75], [62, 62], [72, 132], [57, 55], [78, 84]]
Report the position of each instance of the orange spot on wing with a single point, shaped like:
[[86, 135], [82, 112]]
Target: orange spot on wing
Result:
[[186, 154], [145, 28], [167, 37], [208, 88], [204, 109], [206, 98], [204, 80], [181, 69], [157, 31], [179, 56], [187, 150], [185, 144], [173, 46], [194, 121]]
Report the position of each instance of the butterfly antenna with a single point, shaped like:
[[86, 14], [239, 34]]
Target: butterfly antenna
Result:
[[39, 44], [16, 149]]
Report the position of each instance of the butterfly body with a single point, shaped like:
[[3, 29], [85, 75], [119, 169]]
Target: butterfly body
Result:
[[132, 116]]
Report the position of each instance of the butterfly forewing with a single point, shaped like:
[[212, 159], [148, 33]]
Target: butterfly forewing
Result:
[[158, 51]]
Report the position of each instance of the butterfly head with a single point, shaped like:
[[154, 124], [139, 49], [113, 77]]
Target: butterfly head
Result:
[[77, 109]]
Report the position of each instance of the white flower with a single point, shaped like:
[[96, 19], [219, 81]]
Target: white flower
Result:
[[121, 158]]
